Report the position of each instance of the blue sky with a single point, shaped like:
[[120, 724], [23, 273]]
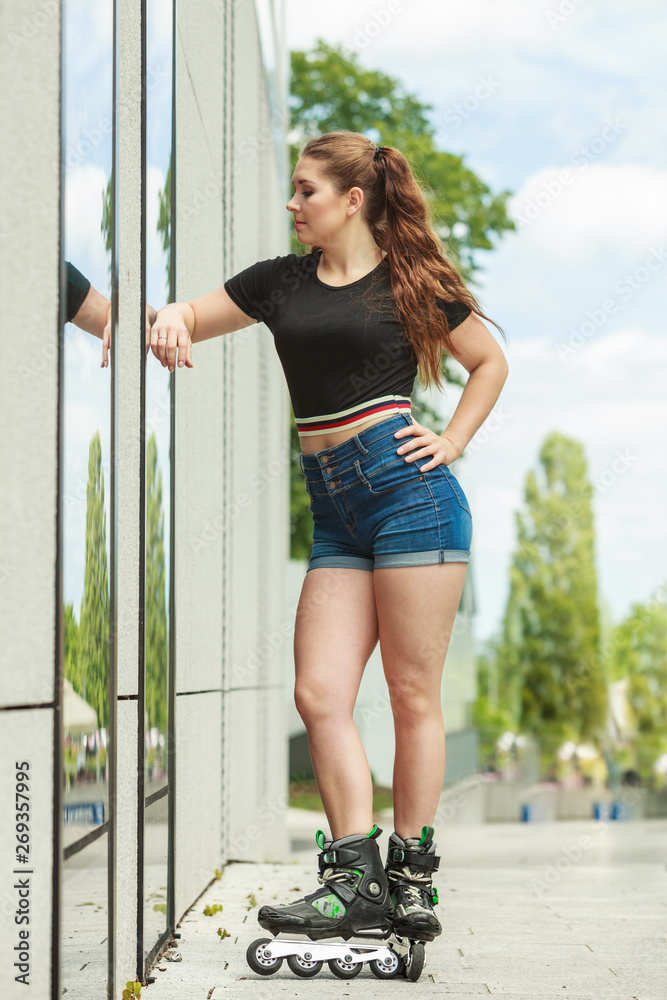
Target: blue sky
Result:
[[565, 110]]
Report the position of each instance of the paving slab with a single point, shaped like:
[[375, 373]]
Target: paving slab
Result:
[[517, 920]]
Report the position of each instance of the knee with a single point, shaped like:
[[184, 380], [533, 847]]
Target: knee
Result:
[[317, 705], [305, 701], [412, 704]]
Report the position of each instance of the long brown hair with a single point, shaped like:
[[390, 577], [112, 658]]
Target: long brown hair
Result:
[[400, 220]]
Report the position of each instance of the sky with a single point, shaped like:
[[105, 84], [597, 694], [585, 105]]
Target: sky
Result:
[[561, 103]]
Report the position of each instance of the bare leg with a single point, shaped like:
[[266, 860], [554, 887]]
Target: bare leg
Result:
[[335, 633], [416, 608]]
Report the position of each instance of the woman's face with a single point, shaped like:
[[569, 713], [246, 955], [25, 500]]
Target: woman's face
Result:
[[319, 212]]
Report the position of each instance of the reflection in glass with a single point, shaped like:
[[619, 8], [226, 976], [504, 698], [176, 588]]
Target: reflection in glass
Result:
[[87, 106], [158, 454]]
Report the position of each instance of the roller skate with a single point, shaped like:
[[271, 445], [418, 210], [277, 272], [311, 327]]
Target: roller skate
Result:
[[353, 902], [410, 866]]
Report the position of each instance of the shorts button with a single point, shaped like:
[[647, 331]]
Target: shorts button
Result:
[[328, 470]]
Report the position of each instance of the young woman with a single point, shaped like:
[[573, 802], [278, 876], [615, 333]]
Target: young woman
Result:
[[370, 307]]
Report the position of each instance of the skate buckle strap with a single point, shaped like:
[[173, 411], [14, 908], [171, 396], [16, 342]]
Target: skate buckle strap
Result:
[[400, 855]]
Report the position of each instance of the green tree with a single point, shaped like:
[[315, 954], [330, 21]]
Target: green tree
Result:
[[551, 639], [106, 225], [331, 90], [640, 653], [156, 646], [93, 644], [164, 227], [72, 666]]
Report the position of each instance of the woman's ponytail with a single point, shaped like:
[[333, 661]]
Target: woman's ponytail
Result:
[[400, 220]]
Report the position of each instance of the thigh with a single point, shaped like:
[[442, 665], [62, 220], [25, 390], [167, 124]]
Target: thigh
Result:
[[416, 608], [335, 633]]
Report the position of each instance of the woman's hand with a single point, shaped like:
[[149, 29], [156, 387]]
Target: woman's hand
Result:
[[423, 442], [171, 339], [151, 314]]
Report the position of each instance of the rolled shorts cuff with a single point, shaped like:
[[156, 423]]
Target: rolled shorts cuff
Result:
[[339, 562], [385, 560], [390, 559]]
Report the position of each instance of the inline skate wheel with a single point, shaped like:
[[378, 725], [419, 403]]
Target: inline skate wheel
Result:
[[303, 967], [343, 969], [258, 957], [386, 969], [414, 964]]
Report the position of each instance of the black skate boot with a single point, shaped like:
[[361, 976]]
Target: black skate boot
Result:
[[353, 900], [410, 866]]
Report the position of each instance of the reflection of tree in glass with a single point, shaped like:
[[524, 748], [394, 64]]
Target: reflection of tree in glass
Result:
[[72, 665], [156, 651], [164, 226], [106, 226], [92, 650]]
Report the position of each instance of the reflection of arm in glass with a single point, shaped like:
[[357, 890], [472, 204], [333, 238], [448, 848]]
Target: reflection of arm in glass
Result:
[[91, 311]]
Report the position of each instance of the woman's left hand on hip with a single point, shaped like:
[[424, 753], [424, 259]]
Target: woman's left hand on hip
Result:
[[423, 443]]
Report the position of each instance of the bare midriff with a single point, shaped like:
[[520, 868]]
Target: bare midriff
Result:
[[318, 442]]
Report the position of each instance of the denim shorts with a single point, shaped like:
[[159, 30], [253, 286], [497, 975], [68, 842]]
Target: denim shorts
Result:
[[371, 508]]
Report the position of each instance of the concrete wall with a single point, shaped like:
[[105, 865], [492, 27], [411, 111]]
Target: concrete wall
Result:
[[29, 525], [230, 464]]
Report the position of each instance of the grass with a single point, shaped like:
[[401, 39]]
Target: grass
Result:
[[303, 794]]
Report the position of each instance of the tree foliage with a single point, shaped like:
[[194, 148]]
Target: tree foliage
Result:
[[639, 652], [552, 673], [92, 648], [156, 644], [331, 90]]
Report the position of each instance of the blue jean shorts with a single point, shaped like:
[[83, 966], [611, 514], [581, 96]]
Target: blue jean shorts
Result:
[[372, 509]]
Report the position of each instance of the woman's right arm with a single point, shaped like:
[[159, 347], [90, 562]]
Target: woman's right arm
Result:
[[186, 323]]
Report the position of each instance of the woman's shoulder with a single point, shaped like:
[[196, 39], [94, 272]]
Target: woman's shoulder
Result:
[[302, 263]]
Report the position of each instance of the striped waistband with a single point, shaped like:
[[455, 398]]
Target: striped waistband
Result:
[[352, 417]]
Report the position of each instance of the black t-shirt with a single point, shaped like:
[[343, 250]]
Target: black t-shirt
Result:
[[78, 287], [339, 346]]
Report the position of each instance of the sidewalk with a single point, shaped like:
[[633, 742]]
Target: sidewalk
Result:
[[539, 910]]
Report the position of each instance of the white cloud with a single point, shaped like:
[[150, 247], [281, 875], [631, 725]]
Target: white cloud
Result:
[[611, 398], [568, 216], [84, 240]]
